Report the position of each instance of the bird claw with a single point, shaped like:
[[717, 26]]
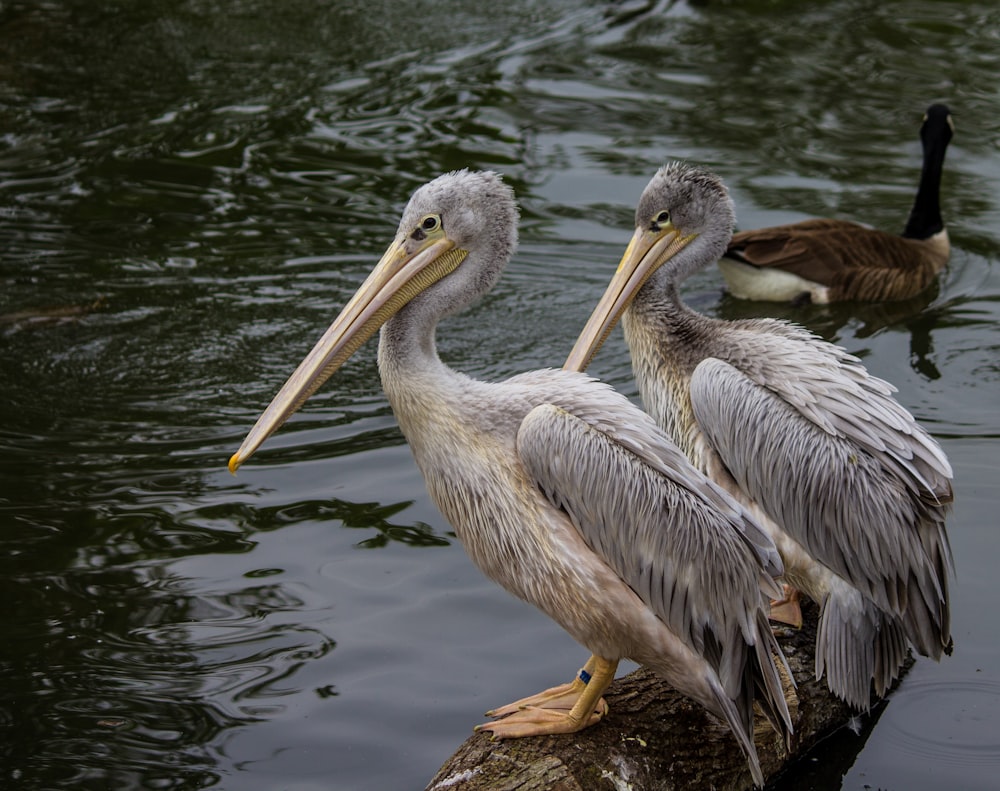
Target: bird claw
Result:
[[541, 721], [560, 697]]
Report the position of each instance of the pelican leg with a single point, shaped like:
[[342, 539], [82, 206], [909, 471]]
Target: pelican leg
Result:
[[552, 712], [787, 609], [559, 697]]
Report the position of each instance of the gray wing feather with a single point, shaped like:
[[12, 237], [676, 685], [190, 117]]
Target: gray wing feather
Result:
[[657, 526], [834, 391], [601, 407], [824, 481]]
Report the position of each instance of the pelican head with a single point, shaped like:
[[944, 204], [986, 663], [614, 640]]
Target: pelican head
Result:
[[456, 218], [685, 218]]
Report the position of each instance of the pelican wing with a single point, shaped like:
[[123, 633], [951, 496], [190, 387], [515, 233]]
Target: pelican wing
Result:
[[682, 544], [835, 392], [811, 442]]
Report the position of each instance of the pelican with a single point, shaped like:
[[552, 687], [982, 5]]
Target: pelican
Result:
[[559, 488], [824, 260], [852, 490]]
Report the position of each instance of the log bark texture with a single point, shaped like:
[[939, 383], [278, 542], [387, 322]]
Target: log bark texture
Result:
[[653, 739]]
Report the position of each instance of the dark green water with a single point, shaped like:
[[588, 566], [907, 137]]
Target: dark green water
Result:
[[188, 193]]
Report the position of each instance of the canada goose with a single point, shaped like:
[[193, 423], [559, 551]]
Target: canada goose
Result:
[[826, 260]]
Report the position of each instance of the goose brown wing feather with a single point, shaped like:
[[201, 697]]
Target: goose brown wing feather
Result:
[[855, 262]]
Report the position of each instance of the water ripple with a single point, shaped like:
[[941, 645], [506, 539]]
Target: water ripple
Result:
[[188, 191], [953, 722]]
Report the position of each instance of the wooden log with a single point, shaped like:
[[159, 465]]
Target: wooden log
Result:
[[653, 739]]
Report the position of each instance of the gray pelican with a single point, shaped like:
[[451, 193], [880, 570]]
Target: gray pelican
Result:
[[826, 260], [560, 489], [853, 491]]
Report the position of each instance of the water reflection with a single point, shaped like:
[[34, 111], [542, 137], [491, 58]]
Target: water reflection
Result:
[[188, 190], [101, 696], [824, 767], [914, 316], [361, 516]]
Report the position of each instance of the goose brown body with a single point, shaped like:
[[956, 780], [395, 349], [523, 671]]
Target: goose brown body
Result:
[[833, 260]]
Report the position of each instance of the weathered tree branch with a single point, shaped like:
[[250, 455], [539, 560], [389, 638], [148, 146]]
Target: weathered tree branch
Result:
[[653, 739]]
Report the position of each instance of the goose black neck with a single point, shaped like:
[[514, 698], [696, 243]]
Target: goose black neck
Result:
[[925, 216]]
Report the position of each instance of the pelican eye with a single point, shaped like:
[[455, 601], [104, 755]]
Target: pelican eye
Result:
[[659, 221], [428, 225]]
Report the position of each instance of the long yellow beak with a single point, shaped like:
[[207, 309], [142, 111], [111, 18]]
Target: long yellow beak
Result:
[[646, 252], [400, 275]]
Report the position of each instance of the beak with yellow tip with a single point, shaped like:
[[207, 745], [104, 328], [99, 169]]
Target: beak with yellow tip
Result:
[[648, 250], [410, 265]]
